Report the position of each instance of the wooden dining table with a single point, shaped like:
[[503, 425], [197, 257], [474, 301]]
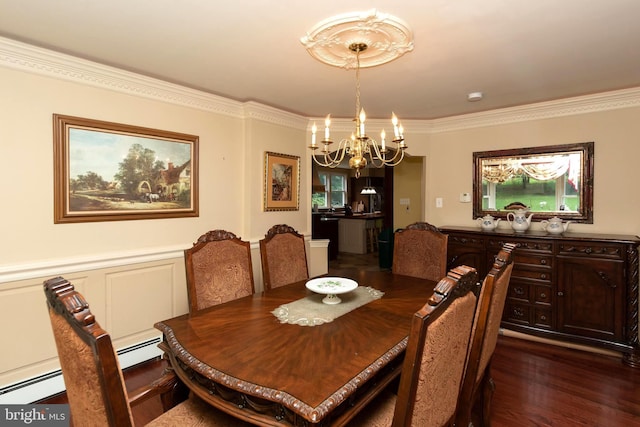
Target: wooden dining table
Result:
[[239, 357]]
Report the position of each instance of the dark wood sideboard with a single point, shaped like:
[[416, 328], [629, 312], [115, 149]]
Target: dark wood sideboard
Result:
[[574, 287]]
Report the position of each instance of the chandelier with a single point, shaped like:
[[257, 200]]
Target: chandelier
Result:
[[387, 38]]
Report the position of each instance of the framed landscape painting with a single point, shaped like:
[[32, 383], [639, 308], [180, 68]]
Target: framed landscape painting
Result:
[[107, 171], [281, 182]]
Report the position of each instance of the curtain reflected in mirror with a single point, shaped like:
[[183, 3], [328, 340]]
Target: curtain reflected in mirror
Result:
[[548, 181]]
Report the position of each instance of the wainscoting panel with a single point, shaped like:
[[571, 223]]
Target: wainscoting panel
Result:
[[138, 298], [24, 321]]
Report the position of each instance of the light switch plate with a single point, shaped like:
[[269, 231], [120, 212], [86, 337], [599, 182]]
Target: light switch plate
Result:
[[438, 202]]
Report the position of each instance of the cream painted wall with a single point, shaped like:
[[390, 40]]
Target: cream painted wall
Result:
[[408, 183], [614, 132]]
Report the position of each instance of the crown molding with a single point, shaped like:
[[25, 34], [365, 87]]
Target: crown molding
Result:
[[605, 101], [44, 62], [255, 110], [24, 57]]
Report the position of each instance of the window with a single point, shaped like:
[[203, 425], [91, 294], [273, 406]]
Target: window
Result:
[[550, 195], [335, 194]]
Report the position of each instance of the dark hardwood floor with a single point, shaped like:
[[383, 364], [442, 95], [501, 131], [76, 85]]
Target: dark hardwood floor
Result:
[[537, 384]]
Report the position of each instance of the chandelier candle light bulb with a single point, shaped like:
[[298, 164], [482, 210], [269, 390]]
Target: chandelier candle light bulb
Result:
[[314, 129], [394, 121], [363, 117], [327, 123]]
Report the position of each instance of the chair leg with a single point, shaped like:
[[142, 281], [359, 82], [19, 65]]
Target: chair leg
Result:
[[480, 415], [488, 388]]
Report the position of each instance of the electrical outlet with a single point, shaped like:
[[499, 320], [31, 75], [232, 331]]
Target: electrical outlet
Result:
[[438, 202]]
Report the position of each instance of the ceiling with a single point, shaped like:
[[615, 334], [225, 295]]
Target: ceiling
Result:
[[515, 52]]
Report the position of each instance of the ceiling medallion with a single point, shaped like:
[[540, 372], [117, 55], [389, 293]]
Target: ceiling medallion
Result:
[[387, 38], [359, 40]]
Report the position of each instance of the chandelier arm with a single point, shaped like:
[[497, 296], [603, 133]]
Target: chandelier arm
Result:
[[387, 162], [331, 161], [393, 162], [383, 161]]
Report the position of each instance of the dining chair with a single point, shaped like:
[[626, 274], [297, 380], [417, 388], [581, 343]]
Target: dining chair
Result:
[[478, 386], [434, 361], [91, 371], [420, 250], [284, 257], [219, 269]]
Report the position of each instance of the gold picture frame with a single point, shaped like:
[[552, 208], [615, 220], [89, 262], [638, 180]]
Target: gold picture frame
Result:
[[107, 171], [281, 182]]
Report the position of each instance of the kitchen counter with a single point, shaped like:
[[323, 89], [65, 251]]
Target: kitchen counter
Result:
[[351, 234], [356, 231], [376, 215]]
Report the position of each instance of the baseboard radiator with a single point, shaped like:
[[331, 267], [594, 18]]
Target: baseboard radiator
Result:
[[43, 386]]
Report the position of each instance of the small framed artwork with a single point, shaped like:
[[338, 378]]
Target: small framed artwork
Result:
[[107, 171], [281, 182]]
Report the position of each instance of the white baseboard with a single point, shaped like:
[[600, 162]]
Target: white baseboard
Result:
[[523, 336], [51, 383]]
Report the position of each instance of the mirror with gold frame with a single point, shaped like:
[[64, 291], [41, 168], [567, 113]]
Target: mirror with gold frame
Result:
[[548, 181]]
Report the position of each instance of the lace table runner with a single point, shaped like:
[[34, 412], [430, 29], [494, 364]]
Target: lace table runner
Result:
[[311, 311]]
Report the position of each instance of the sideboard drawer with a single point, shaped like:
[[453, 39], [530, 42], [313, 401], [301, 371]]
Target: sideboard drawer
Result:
[[528, 258], [517, 313], [543, 318], [589, 249], [518, 290], [525, 273], [542, 294]]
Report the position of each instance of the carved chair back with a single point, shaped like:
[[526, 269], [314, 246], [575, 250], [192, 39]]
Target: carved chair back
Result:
[[284, 257], [90, 368], [420, 250], [477, 387], [219, 269], [436, 352]]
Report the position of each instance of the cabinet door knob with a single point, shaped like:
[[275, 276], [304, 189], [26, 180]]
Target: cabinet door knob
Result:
[[560, 294], [543, 261], [543, 295], [543, 276]]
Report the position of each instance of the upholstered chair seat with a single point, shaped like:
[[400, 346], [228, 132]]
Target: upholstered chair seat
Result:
[[195, 413]]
